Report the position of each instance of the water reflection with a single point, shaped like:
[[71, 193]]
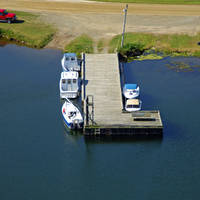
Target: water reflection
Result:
[[72, 137], [123, 139], [4, 42]]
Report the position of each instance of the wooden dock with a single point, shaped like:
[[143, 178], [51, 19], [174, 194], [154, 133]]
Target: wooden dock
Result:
[[103, 104]]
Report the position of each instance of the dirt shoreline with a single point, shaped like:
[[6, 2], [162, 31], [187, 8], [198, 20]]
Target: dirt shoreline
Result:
[[102, 20]]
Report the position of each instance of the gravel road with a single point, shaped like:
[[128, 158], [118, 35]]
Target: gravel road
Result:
[[104, 20]]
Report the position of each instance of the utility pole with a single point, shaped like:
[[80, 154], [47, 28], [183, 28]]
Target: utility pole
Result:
[[125, 14]]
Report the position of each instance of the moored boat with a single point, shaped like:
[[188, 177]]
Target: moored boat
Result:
[[69, 85], [71, 115], [132, 105], [131, 91], [69, 62]]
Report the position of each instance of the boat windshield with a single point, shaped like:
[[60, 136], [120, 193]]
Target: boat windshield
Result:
[[133, 106], [72, 58], [67, 58], [131, 90]]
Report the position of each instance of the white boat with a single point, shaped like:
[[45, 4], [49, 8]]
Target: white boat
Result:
[[131, 91], [133, 105], [69, 62], [69, 85], [71, 115]]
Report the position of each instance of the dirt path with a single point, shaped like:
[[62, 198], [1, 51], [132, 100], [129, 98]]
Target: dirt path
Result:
[[104, 20]]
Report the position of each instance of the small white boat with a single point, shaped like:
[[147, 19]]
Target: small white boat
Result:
[[131, 91], [71, 115], [69, 85], [133, 105], [69, 62]]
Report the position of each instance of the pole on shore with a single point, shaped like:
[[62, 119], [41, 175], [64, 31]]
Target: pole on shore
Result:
[[125, 14]]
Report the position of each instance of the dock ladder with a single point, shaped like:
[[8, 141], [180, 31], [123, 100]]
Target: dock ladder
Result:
[[90, 110]]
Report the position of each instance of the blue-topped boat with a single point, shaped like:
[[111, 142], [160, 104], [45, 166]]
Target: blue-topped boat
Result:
[[69, 62], [131, 91]]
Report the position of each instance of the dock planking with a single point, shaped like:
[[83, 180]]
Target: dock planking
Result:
[[101, 80]]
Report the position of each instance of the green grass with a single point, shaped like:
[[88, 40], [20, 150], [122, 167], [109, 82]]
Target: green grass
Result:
[[81, 44], [186, 2], [169, 44], [29, 30]]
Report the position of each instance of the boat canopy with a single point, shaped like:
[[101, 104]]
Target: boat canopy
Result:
[[70, 55], [134, 102], [131, 86]]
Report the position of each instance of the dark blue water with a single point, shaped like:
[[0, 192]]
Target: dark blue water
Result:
[[38, 160]]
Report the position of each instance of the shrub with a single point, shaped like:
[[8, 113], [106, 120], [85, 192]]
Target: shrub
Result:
[[131, 50]]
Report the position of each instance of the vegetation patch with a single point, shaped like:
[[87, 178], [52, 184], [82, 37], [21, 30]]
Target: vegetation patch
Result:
[[81, 44], [149, 57], [100, 45], [184, 2], [27, 30], [174, 45], [182, 67]]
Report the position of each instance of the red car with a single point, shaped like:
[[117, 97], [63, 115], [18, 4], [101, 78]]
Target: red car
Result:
[[8, 17]]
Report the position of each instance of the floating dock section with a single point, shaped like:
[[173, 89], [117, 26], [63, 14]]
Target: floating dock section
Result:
[[103, 103]]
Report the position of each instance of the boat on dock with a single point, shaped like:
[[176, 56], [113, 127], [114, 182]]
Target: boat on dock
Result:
[[69, 62], [69, 85], [131, 91], [133, 105], [72, 117]]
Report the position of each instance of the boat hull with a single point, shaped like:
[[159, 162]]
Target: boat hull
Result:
[[133, 109]]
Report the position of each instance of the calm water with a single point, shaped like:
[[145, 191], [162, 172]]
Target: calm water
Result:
[[38, 160]]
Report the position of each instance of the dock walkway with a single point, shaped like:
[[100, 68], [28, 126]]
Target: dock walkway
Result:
[[101, 79]]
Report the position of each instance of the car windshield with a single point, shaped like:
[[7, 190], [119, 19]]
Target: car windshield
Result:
[[5, 12]]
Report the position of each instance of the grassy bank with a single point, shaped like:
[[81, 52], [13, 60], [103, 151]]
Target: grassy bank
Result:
[[81, 44], [184, 2], [169, 44], [28, 30]]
